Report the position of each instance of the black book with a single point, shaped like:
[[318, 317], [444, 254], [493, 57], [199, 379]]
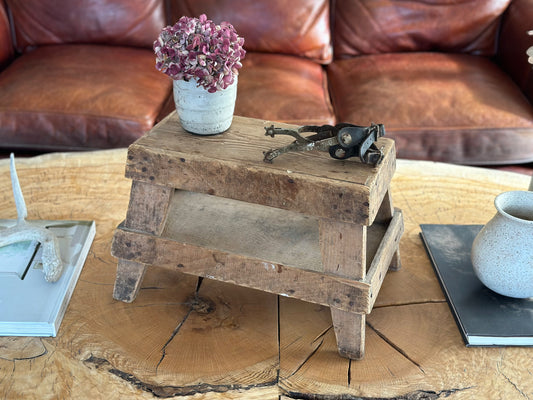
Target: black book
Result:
[[484, 317]]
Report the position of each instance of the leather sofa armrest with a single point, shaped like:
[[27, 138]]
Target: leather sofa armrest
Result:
[[514, 42]]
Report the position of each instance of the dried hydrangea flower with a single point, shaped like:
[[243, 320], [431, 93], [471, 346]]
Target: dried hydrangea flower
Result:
[[197, 48]]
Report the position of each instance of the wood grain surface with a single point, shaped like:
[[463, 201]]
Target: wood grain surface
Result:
[[190, 338], [231, 166]]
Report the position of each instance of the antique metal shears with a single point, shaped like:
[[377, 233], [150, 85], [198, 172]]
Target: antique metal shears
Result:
[[342, 141]]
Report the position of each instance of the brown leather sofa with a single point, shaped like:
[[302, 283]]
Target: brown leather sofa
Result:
[[448, 79], [78, 74]]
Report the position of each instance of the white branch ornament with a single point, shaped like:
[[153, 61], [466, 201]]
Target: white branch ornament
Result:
[[23, 230]]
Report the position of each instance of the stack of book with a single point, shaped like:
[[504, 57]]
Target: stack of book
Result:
[[29, 305]]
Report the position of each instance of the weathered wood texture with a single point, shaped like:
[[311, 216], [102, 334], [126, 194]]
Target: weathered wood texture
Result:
[[219, 341], [343, 245], [385, 213], [231, 166], [343, 248], [148, 206], [262, 248], [344, 253], [130, 275]]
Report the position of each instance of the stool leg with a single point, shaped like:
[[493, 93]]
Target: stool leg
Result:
[[147, 212], [343, 247], [396, 263], [148, 207], [128, 281], [350, 333]]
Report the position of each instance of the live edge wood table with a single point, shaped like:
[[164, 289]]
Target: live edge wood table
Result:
[[306, 226], [189, 341]]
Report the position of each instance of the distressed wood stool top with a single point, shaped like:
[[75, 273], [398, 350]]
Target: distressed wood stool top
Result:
[[231, 165]]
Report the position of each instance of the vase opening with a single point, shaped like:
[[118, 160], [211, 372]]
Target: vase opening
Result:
[[516, 204]]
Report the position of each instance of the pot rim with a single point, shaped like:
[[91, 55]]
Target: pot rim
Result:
[[503, 201]]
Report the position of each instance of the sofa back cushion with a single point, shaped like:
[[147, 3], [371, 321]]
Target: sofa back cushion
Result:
[[392, 26], [117, 22], [6, 45], [298, 27]]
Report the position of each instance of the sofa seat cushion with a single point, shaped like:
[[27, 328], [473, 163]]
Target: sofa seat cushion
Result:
[[283, 88], [444, 107], [70, 97]]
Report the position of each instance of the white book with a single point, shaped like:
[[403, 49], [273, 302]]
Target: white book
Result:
[[29, 305]]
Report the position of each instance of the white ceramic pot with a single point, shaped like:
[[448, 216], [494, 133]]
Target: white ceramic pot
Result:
[[202, 112], [502, 253]]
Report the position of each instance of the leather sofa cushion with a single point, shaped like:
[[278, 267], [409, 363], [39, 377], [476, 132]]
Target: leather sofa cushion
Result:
[[125, 23], [283, 88], [389, 26], [80, 97], [6, 47], [298, 27], [454, 108], [514, 43]]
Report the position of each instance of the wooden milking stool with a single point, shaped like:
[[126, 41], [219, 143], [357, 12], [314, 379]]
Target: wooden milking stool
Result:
[[307, 226]]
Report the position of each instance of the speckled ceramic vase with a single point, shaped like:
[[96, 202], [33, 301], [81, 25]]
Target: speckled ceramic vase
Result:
[[502, 253], [202, 112]]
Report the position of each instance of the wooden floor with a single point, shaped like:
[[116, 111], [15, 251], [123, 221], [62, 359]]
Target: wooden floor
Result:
[[187, 338]]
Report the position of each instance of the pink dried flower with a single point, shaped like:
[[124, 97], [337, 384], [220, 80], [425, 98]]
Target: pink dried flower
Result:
[[197, 48]]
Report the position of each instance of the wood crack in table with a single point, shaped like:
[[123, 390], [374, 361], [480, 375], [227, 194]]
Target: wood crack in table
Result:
[[308, 226]]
